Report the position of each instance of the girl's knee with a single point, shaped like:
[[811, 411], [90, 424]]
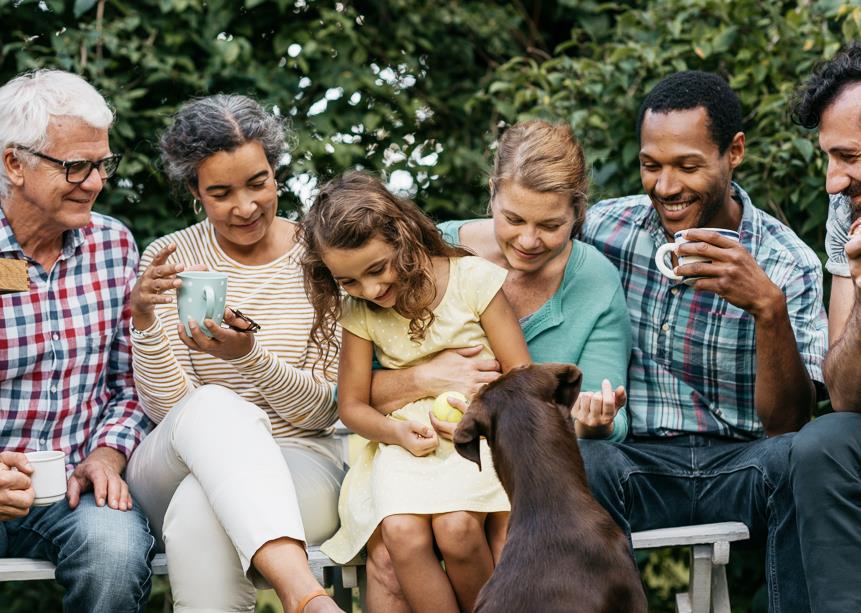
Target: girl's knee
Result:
[[403, 534], [459, 533]]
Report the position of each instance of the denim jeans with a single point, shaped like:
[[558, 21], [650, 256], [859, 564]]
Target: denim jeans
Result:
[[102, 555], [647, 484], [825, 464]]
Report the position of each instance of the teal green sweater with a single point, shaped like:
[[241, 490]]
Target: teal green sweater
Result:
[[585, 322]]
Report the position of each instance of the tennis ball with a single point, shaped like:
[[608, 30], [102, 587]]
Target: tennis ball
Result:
[[443, 411]]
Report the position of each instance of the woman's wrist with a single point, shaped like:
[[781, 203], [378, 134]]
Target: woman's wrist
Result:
[[143, 321]]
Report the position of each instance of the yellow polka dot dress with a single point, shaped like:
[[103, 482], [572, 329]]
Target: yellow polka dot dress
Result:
[[387, 479]]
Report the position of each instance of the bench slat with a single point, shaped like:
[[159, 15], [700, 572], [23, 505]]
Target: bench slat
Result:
[[690, 535], [25, 569]]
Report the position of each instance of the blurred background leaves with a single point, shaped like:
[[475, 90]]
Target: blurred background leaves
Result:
[[418, 91]]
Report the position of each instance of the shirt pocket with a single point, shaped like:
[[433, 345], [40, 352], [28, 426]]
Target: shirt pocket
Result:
[[723, 342], [90, 366]]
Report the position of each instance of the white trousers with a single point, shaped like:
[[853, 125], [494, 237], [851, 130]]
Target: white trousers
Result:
[[216, 486]]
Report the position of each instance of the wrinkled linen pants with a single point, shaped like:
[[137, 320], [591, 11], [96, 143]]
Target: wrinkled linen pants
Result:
[[216, 487]]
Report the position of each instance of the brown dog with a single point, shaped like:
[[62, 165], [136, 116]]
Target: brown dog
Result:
[[564, 551]]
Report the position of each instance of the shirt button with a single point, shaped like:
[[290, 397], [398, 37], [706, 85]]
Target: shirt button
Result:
[[53, 389], [665, 327], [56, 336], [674, 291]]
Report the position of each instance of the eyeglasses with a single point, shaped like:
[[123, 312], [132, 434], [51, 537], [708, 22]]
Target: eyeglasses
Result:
[[252, 326], [77, 171]]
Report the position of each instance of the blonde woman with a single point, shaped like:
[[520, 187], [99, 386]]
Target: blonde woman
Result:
[[566, 295]]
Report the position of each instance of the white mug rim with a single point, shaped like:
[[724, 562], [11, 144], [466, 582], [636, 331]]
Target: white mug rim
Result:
[[45, 455], [722, 231], [201, 274]]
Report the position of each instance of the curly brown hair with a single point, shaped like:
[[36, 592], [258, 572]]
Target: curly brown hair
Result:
[[349, 211]]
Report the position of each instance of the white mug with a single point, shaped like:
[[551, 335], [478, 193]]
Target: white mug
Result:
[[664, 250], [49, 476]]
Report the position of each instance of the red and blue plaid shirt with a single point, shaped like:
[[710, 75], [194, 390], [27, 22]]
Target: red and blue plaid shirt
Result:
[[693, 365], [65, 356]]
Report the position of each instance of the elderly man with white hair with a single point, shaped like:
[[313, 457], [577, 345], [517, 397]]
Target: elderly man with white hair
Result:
[[65, 374]]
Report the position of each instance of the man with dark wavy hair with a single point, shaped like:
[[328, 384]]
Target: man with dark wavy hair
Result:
[[826, 454]]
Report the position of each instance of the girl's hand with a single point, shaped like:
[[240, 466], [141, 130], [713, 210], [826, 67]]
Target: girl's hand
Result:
[[446, 428], [225, 343], [419, 439], [157, 278], [593, 412]]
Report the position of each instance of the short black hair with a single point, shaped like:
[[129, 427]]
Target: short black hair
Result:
[[683, 91], [825, 84]]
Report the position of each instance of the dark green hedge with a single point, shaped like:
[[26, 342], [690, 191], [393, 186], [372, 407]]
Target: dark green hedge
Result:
[[424, 86]]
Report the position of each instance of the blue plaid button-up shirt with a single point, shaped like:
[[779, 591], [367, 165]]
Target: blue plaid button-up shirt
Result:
[[693, 366], [65, 356]]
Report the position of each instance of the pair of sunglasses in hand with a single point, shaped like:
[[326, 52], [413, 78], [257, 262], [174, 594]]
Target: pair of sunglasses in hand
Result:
[[250, 325]]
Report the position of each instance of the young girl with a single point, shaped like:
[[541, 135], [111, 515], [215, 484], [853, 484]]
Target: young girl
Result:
[[411, 295]]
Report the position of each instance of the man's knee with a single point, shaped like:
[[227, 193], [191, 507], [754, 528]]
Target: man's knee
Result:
[[823, 445], [109, 550]]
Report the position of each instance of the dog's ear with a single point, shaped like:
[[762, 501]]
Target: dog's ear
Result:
[[467, 436], [568, 381]]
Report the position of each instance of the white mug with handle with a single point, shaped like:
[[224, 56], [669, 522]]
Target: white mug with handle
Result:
[[665, 249]]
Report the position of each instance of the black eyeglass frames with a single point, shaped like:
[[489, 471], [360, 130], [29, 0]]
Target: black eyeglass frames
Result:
[[77, 171]]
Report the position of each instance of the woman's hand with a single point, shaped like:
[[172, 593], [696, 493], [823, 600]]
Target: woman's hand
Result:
[[594, 412], [225, 343], [417, 438], [446, 428], [157, 278], [457, 370]]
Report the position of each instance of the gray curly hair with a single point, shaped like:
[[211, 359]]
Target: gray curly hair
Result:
[[223, 122]]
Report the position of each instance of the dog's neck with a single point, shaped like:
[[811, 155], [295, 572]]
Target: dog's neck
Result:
[[538, 461]]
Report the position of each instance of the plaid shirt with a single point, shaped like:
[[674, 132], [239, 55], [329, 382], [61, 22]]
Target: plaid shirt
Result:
[[65, 356], [693, 365]]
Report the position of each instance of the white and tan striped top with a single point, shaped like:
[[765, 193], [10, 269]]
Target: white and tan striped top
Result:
[[276, 375]]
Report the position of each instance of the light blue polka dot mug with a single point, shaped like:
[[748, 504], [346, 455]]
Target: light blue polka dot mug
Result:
[[202, 295]]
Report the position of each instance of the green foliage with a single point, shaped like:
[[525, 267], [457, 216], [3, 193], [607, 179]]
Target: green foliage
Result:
[[423, 86], [382, 86], [616, 51]]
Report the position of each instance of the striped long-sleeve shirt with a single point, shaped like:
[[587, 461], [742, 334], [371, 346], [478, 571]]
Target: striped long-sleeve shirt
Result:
[[276, 375]]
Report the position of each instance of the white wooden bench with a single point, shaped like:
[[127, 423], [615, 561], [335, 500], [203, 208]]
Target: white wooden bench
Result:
[[341, 578], [707, 591]]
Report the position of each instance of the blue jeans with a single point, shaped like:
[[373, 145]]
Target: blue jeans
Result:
[[102, 555], [689, 479], [825, 464]]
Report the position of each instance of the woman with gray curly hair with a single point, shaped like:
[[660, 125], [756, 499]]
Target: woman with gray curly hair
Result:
[[241, 471]]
